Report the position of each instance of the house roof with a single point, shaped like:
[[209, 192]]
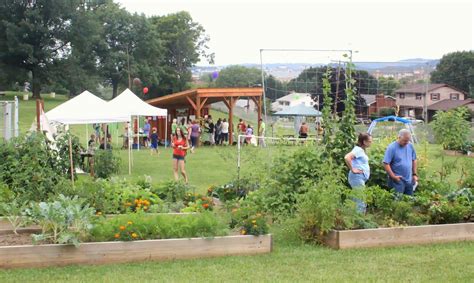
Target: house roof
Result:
[[420, 88], [448, 104], [370, 98], [293, 96]]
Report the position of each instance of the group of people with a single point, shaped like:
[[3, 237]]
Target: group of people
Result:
[[399, 162], [186, 134]]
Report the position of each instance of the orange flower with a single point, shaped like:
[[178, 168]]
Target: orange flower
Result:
[[205, 205], [129, 222], [134, 235], [122, 228], [116, 236]]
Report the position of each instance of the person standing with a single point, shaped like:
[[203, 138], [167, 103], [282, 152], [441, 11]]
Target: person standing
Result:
[[174, 125], [303, 133], [248, 134], [179, 145], [195, 133], [400, 164], [210, 130], [242, 130], [225, 130], [146, 132], [154, 142], [261, 134], [358, 163], [218, 131]]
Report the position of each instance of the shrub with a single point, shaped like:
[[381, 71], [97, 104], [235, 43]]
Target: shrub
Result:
[[172, 191], [451, 128], [117, 196], [140, 226], [106, 163], [233, 190], [31, 169]]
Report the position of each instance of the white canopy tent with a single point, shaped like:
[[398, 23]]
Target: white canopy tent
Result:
[[86, 108], [130, 104]]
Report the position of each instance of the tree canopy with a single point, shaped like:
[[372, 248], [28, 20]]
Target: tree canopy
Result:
[[76, 45], [457, 70]]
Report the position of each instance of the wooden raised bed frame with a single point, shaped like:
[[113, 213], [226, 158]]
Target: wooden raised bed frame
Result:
[[119, 252], [385, 237]]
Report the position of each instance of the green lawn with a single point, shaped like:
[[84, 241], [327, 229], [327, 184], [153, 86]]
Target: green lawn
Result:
[[287, 263]]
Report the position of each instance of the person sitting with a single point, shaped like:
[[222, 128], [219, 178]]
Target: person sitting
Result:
[[104, 145]]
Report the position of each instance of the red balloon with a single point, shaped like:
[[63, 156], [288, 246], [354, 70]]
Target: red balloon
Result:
[[145, 90]]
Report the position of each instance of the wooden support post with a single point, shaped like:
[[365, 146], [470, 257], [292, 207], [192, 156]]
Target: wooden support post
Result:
[[192, 103], [198, 107], [231, 105]]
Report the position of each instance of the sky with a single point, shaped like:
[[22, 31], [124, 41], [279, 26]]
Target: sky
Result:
[[377, 30]]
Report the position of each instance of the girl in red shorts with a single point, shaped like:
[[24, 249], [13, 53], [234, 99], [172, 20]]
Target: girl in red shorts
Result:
[[179, 145]]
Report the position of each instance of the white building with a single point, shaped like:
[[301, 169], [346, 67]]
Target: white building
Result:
[[292, 99]]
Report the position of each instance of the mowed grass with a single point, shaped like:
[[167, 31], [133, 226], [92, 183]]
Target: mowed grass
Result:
[[287, 263]]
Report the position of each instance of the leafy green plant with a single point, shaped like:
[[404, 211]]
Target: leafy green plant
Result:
[[232, 190], [172, 191], [106, 163], [14, 212], [451, 128], [31, 169], [63, 221], [141, 226]]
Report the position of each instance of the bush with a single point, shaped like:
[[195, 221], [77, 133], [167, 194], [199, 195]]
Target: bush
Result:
[[233, 190], [31, 169], [387, 112], [140, 226], [117, 196], [452, 128], [106, 163]]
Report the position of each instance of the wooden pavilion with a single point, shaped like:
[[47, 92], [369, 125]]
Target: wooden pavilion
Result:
[[196, 102]]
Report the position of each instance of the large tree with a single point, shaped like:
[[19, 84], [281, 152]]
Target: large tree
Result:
[[129, 48], [33, 34], [457, 70], [185, 43], [239, 76], [311, 81]]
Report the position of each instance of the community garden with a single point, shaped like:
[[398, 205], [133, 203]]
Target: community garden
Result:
[[299, 194]]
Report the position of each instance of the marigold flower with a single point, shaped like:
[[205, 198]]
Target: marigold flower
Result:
[[116, 236], [254, 221], [129, 222], [205, 205], [122, 228], [134, 235], [243, 232]]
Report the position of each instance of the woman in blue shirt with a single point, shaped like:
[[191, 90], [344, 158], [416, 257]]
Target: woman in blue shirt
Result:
[[358, 163]]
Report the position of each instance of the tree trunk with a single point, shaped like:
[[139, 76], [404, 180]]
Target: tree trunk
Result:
[[114, 89], [36, 86]]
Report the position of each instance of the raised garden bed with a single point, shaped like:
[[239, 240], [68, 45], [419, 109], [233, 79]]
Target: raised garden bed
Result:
[[119, 252], [399, 236]]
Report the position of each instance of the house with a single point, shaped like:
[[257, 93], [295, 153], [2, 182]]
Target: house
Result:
[[413, 98], [292, 99], [449, 104], [376, 102]]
